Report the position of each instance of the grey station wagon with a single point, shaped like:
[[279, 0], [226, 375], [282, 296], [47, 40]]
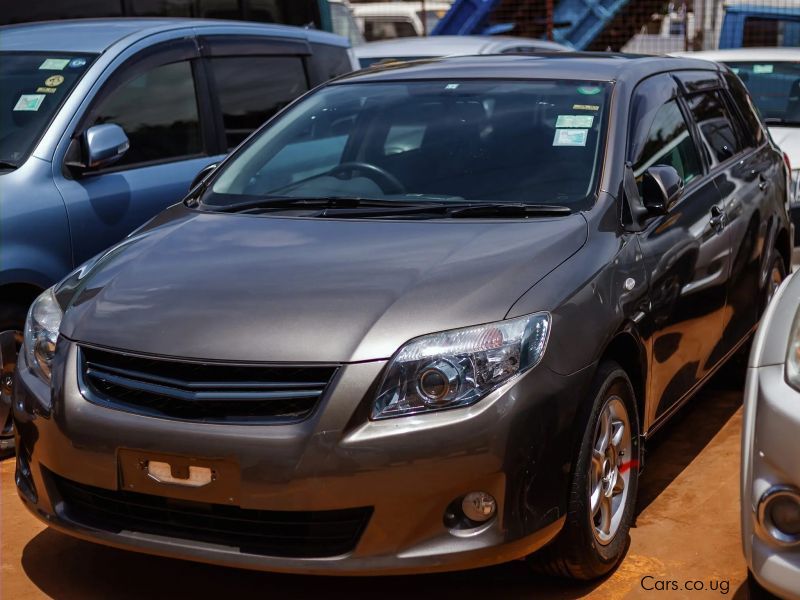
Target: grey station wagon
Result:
[[423, 320]]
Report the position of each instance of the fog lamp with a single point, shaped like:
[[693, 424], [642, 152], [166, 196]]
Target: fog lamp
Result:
[[479, 506], [779, 514]]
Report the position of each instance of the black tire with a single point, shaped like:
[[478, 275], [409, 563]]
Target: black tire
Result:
[[576, 553], [755, 591], [12, 318]]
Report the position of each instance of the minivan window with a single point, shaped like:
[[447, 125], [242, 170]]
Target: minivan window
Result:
[[506, 141], [775, 88], [747, 109], [253, 88], [32, 88], [716, 126], [668, 143], [158, 111]]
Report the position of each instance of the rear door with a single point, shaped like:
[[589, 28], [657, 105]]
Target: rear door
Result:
[[685, 251], [159, 98]]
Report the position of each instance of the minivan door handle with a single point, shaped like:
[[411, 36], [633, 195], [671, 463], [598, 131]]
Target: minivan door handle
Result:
[[718, 219], [763, 182]]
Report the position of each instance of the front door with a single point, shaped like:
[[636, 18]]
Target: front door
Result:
[[157, 107], [686, 251]]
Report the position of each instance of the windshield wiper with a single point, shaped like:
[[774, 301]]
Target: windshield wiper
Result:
[[325, 202], [781, 122], [7, 164], [461, 210]]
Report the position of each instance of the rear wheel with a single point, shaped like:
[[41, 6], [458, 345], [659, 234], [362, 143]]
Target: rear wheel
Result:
[[12, 321], [777, 273], [605, 478], [755, 591]]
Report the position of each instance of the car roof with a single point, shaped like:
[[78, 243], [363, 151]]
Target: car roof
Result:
[[585, 66], [441, 45], [394, 9], [97, 35], [746, 54]]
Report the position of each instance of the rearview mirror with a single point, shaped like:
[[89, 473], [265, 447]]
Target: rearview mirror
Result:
[[662, 187], [104, 145], [204, 172]]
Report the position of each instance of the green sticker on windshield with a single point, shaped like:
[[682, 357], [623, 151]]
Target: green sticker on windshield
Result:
[[29, 102], [589, 90], [54, 64], [570, 137], [583, 121], [762, 69]]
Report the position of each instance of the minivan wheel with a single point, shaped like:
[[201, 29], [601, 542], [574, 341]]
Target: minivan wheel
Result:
[[777, 273], [12, 320], [605, 476]]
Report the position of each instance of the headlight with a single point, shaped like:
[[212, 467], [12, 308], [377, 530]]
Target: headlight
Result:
[[459, 367], [41, 333]]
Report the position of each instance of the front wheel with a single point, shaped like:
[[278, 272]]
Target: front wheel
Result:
[[12, 320], [605, 475]]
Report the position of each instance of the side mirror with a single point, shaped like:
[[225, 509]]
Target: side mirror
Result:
[[104, 145], [662, 187], [204, 172]]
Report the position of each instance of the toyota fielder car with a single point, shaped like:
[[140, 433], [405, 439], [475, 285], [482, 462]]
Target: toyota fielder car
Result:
[[423, 320]]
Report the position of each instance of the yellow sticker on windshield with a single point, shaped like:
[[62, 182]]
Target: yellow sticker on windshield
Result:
[[54, 80], [46, 90], [54, 64], [585, 107], [28, 102]]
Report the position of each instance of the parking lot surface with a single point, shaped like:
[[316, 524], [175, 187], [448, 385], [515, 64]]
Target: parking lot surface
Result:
[[686, 536]]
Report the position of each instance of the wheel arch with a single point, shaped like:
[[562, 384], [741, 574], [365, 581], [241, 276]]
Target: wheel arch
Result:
[[628, 351]]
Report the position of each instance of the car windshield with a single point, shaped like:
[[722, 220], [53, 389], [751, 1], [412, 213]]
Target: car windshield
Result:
[[32, 87], [535, 142], [775, 88]]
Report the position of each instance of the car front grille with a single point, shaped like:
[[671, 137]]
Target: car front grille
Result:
[[201, 391], [295, 534]]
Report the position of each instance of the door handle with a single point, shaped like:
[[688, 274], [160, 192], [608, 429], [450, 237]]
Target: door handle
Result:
[[763, 182], [718, 219]]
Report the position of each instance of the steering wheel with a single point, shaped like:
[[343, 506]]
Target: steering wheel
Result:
[[385, 180]]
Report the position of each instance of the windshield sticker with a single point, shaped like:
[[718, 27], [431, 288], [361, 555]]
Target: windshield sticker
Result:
[[762, 69], [735, 70], [76, 63], [54, 64], [581, 121], [451, 86], [46, 90], [585, 107], [54, 80], [589, 90], [570, 137], [29, 102]]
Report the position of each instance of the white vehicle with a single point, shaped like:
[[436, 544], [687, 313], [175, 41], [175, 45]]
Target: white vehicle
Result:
[[387, 20], [449, 45], [771, 450], [772, 76]]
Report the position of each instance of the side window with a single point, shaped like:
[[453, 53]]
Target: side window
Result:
[[746, 107], [158, 111], [668, 143], [716, 126], [253, 88]]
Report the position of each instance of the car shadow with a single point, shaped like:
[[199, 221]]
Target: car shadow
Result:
[[688, 432], [66, 568]]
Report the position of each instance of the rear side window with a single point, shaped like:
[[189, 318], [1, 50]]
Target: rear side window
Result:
[[253, 88], [668, 143], [158, 111], [717, 129], [746, 108], [330, 61]]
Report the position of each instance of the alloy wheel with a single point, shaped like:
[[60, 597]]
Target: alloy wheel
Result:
[[608, 477], [775, 280]]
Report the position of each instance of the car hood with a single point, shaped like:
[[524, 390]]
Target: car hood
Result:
[[253, 288], [788, 139]]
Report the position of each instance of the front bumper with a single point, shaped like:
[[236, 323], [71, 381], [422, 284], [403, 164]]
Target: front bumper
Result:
[[517, 444]]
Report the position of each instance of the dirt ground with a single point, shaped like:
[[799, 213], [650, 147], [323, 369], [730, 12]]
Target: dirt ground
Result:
[[687, 531]]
